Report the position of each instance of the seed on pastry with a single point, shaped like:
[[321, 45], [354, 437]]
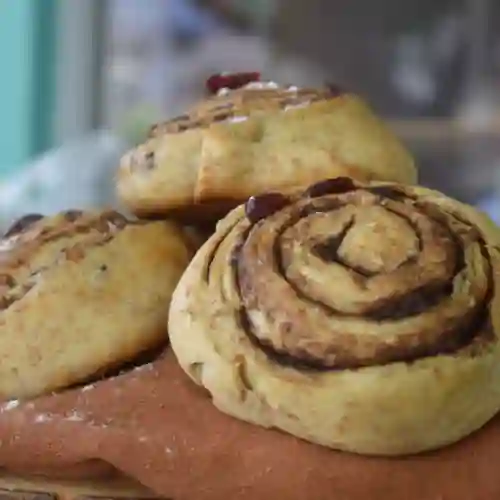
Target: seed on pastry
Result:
[[369, 311], [82, 292]]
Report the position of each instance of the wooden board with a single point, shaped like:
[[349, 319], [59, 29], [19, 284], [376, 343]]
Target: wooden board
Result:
[[33, 488]]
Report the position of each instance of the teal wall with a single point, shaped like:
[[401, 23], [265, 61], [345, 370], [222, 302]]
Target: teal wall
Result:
[[27, 79], [44, 61]]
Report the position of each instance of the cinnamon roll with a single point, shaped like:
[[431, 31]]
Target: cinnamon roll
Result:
[[82, 293], [253, 136], [362, 317]]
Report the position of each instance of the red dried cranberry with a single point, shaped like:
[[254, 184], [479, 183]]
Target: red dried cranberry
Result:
[[331, 186], [334, 90], [22, 224], [260, 207], [230, 81]]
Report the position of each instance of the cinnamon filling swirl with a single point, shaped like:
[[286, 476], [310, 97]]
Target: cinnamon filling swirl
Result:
[[348, 277]]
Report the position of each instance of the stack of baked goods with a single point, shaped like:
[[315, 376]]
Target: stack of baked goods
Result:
[[335, 336]]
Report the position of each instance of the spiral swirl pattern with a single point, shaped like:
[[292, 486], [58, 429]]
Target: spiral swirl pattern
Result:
[[385, 278], [349, 286]]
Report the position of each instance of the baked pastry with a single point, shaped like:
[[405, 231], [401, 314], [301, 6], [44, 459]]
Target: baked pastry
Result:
[[253, 139], [363, 317], [82, 293]]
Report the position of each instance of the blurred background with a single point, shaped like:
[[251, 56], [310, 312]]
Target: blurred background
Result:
[[83, 79]]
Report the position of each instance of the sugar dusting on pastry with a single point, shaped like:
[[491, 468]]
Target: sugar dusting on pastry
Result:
[[237, 119], [299, 105], [9, 405], [261, 86]]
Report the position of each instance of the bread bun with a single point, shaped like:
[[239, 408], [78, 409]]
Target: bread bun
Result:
[[254, 139], [362, 317], [82, 292]]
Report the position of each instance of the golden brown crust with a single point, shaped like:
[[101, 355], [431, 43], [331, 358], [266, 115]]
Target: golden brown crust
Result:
[[376, 306], [81, 293], [250, 141]]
